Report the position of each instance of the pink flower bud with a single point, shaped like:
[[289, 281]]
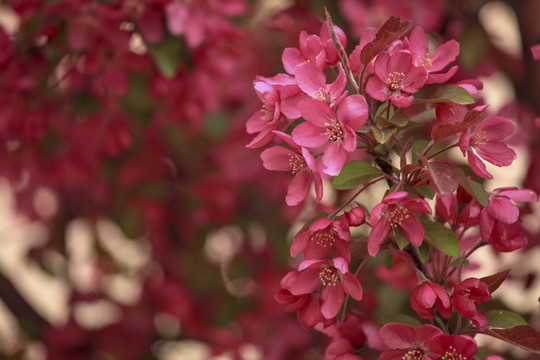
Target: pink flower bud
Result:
[[356, 216]]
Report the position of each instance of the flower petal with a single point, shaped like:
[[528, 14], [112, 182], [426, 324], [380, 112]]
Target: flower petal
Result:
[[332, 300], [352, 286]]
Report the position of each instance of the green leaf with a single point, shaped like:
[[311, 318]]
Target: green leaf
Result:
[[401, 241], [457, 262], [482, 354], [476, 190], [425, 191], [441, 237], [355, 173], [426, 115], [417, 148], [504, 319], [423, 252], [166, 56], [383, 135], [399, 120], [388, 259], [403, 319], [437, 93]]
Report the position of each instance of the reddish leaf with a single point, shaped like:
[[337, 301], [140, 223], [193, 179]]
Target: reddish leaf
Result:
[[473, 117], [443, 175], [442, 131], [494, 281], [522, 336], [392, 30], [409, 168]]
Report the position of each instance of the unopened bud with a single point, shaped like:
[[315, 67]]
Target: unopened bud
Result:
[[356, 216]]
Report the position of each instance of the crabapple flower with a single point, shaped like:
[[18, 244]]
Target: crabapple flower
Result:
[[486, 141], [396, 211], [499, 221], [450, 112], [406, 342], [312, 81], [266, 119], [356, 216], [321, 236], [347, 336], [503, 237], [310, 50], [396, 78], [502, 208], [308, 308], [322, 127], [428, 295], [300, 163], [466, 296], [447, 207], [334, 277], [447, 347], [332, 56], [444, 55]]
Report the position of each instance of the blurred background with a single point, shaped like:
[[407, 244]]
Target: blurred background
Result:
[[134, 222]]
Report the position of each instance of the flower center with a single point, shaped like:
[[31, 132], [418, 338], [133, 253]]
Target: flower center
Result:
[[479, 139], [414, 354], [328, 276], [395, 81], [324, 239], [297, 163], [467, 294], [322, 95], [452, 354], [266, 114], [334, 131], [425, 62], [397, 215]]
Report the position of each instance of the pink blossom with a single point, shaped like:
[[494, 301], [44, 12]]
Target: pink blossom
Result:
[[407, 342], [535, 50], [396, 78], [451, 113], [499, 221], [503, 237], [395, 210], [502, 208], [322, 127], [428, 295], [466, 296], [447, 207], [312, 81], [300, 163], [265, 120], [444, 55], [356, 216], [368, 35], [307, 308], [335, 279], [311, 50], [446, 347], [485, 139], [320, 237], [332, 56], [347, 336]]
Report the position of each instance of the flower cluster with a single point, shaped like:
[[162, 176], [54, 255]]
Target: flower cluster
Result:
[[351, 119]]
